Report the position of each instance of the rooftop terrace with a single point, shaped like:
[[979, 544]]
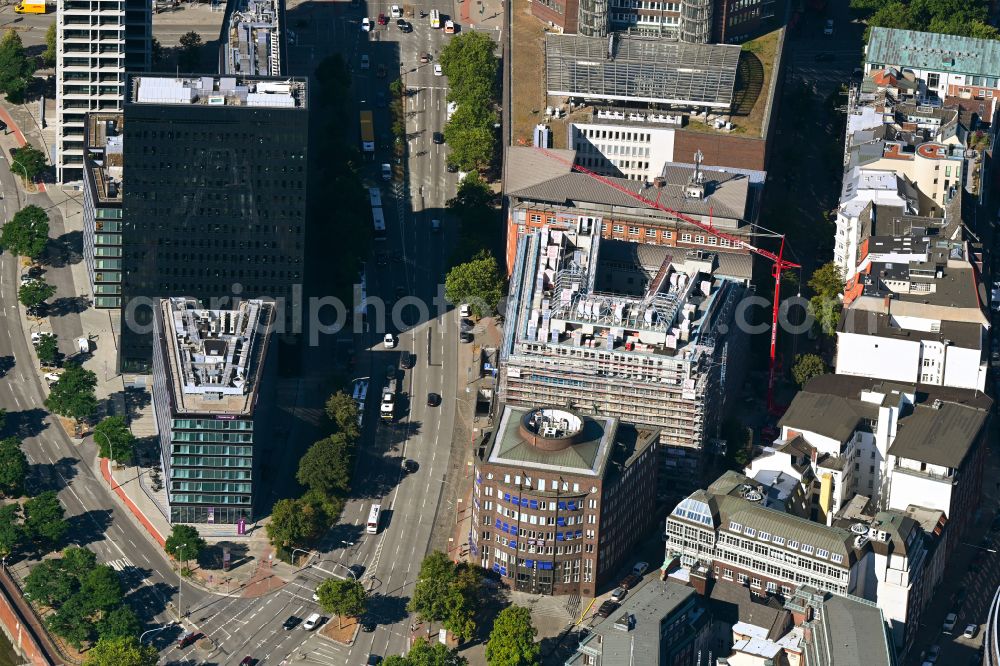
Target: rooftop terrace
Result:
[[215, 357], [104, 155], [252, 39], [218, 91]]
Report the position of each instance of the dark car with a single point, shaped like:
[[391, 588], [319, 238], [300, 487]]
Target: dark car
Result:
[[438, 138], [188, 638], [248, 661], [357, 569], [606, 609], [409, 466], [291, 622], [403, 25], [629, 581], [367, 626], [373, 660], [451, 168], [466, 325], [465, 337], [433, 399], [425, 57], [406, 360]]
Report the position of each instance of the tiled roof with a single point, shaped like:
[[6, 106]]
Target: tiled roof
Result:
[[832, 416], [933, 52], [939, 435]]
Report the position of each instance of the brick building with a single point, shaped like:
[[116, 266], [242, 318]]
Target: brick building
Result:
[[562, 498]]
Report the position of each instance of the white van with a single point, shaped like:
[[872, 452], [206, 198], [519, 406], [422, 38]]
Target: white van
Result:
[[312, 622]]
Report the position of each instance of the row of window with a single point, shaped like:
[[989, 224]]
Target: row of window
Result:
[[211, 424], [226, 474], [211, 487], [792, 543], [194, 436], [212, 450], [199, 461], [209, 499]]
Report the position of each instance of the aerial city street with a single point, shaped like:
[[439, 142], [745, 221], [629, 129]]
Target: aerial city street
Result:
[[499, 332]]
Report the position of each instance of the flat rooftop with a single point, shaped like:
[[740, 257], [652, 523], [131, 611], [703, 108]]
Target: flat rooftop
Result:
[[215, 357], [933, 52], [284, 92], [104, 135], [251, 39], [637, 69]]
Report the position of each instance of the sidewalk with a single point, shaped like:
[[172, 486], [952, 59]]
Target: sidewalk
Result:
[[480, 14]]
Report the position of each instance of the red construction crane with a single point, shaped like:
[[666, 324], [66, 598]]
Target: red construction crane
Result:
[[778, 260]]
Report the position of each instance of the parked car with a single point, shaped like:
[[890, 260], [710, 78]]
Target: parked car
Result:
[[465, 337], [618, 594], [970, 630], [365, 62], [640, 568], [366, 24], [437, 70], [464, 310], [435, 225], [292, 622], [51, 377], [607, 608], [386, 171], [403, 26], [367, 626], [395, 11], [312, 622], [451, 168], [389, 341], [248, 661], [629, 581], [406, 360], [932, 654], [828, 28], [949, 623], [373, 660], [383, 19]]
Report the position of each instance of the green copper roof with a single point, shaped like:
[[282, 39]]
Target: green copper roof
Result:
[[934, 52]]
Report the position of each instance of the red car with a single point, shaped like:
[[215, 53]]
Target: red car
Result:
[[188, 638], [383, 19]]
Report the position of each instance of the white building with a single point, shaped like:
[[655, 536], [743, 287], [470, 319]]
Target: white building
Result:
[[862, 188], [96, 42]]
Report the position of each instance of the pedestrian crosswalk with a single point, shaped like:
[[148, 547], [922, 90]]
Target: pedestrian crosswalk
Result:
[[121, 564]]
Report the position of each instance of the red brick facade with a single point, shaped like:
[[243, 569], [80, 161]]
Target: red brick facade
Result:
[[23, 627], [563, 14]]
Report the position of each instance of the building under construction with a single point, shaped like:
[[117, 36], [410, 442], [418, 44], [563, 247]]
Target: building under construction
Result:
[[645, 333]]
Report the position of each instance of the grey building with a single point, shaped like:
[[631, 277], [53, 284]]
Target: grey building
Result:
[[212, 394], [215, 201], [661, 624], [645, 333], [102, 208]]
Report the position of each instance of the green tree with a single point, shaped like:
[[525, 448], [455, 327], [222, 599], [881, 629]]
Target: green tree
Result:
[[184, 543], [294, 522], [43, 518], [101, 588], [344, 598], [470, 63], [121, 651], [478, 216], [425, 653], [112, 436], [512, 640], [189, 56], [13, 467], [11, 533], [326, 466], [50, 584], [477, 282], [35, 293], [48, 349], [471, 137], [827, 284], [3, 419], [49, 54], [29, 162], [119, 623], [27, 232], [739, 442], [806, 367], [462, 601], [433, 587], [343, 411], [157, 54], [72, 621], [73, 395], [16, 68]]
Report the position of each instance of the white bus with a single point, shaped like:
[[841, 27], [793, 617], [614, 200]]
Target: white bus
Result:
[[379, 219], [372, 526], [435, 18]]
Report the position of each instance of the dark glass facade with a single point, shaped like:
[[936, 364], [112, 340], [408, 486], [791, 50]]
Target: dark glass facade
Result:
[[214, 207]]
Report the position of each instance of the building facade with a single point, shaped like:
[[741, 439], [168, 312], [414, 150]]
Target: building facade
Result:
[[217, 179], [212, 395], [561, 498], [97, 41], [102, 208], [641, 332]]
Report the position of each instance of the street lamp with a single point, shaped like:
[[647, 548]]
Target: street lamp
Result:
[[153, 631], [23, 168], [111, 449]]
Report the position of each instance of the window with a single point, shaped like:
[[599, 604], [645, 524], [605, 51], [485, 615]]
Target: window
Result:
[[837, 558], [742, 578], [668, 234], [779, 541], [633, 231], [651, 233], [807, 549], [618, 228], [821, 552], [785, 590], [736, 527], [764, 536], [755, 582], [749, 531], [686, 238], [772, 588], [793, 544], [699, 239], [727, 574], [933, 80]]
